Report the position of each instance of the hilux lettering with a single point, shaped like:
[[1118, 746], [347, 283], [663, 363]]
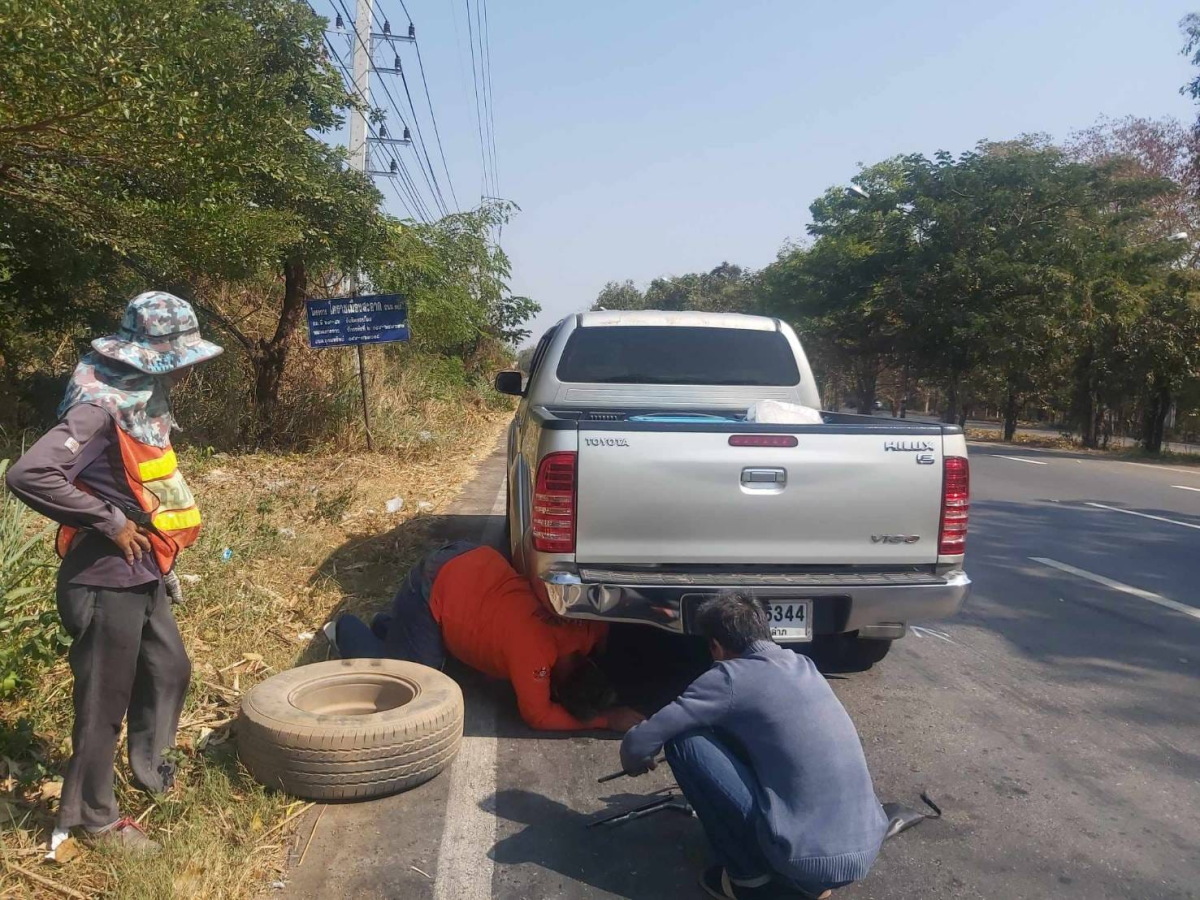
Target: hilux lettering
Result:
[[908, 446]]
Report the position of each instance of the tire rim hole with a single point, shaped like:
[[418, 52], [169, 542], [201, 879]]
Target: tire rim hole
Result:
[[352, 696]]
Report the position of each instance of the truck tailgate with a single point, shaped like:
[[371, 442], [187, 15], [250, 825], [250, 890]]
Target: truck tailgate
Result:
[[836, 498]]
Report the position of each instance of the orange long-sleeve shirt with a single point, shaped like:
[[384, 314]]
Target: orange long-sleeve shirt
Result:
[[492, 621]]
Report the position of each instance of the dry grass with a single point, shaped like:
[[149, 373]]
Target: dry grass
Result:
[[307, 536], [1065, 442], [1050, 442]]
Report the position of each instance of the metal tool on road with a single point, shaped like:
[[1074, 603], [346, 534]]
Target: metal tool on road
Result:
[[614, 775], [902, 817], [671, 800]]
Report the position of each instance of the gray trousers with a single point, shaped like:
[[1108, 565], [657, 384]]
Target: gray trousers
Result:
[[126, 656]]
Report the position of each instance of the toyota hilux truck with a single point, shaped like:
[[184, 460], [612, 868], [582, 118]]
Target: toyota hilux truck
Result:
[[639, 485]]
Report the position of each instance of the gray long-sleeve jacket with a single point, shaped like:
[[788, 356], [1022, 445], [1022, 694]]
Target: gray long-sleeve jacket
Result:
[[820, 819], [83, 446]]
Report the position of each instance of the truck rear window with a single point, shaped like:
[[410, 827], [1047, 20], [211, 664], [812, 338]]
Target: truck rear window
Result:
[[677, 355]]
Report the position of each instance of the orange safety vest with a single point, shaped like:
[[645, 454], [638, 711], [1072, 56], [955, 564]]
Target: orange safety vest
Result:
[[161, 493]]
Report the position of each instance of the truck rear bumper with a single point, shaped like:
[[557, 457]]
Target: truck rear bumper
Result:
[[841, 602]]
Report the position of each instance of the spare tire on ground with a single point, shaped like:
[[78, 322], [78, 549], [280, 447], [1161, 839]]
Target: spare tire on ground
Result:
[[350, 729]]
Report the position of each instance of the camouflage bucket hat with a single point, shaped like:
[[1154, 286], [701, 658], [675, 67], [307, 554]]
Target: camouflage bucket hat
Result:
[[159, 333]]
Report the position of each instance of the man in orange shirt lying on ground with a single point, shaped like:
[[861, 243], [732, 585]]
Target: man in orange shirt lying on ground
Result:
[[468, 601]]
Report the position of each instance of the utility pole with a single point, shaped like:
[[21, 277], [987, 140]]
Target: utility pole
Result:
[[358, 160], [362, 87], [363, 41]]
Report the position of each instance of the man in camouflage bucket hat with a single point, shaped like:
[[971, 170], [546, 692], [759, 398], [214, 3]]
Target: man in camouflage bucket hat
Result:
[[107, 474], [159, 334]]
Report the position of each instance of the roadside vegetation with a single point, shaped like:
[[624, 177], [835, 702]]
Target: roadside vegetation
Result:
[[305, 535], [1022, 281], [189, 145]]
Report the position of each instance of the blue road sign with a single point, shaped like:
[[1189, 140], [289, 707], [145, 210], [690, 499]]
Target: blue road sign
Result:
[[346, 321]]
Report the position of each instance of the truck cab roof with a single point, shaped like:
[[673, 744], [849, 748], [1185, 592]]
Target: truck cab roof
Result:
[[659, 318]]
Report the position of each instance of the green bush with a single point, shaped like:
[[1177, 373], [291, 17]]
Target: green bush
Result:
[[30, 633]]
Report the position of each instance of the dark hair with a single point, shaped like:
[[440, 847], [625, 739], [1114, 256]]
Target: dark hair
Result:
[[733, 619], [586, 692]]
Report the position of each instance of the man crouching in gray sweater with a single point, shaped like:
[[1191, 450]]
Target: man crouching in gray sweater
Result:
[[770, 761]]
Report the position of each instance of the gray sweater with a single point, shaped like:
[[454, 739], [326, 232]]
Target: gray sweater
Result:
[[820, 819]]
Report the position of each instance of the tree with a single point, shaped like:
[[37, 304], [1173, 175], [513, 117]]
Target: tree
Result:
[[845, 290], [133, 131], [455, 280], [619, 295], [1164, 349], [726, 288]]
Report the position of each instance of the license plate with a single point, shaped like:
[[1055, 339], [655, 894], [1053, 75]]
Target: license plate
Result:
[[790, 620]]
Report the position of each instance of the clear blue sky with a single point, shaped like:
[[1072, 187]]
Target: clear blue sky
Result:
[[661, 137]]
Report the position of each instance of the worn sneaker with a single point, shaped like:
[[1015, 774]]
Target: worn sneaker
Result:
[[717, 883], [126, 835], [330, 630]]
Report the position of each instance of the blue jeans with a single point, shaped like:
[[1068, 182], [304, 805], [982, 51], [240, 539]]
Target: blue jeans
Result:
[[410, 632], [722, 790]]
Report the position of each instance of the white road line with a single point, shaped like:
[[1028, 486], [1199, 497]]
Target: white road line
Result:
[[1032, 462], [1130, 512], [919, 630], [1182, 470], [464, 868], [1184, 487], [1119, 586]]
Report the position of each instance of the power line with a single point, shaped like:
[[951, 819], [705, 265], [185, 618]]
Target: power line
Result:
[[490, 96], [414, 205], [437, 134], [416, 119], [395, 106], [411, 205], [478, 115], [421, 140]]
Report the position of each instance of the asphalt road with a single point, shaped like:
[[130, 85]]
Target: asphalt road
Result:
[[1056, 721]]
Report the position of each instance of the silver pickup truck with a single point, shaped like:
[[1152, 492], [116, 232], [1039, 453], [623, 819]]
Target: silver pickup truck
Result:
[[637, 487]]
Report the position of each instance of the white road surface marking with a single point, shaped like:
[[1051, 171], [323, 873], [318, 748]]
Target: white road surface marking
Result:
[[919, 630], [1120, 586], [1032, 462], [464, 869], [1130, 512], [1184, 487], [1182, 470]]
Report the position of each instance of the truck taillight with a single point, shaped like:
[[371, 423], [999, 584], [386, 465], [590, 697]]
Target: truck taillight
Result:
[[553, 520], [956, 504]]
